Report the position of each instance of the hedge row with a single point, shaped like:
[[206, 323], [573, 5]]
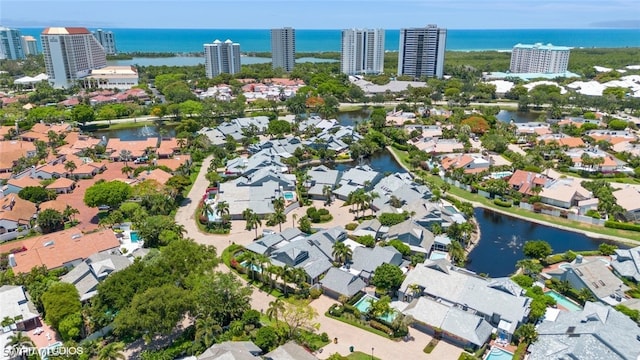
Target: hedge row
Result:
[[380, 326], [621, 225], [499, 202]]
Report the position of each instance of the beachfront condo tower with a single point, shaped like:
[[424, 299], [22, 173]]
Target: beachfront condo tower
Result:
[[70, 53], [362, 51], [10, 44], [29, 45], [283, 48], [107, 40], [221, 58], [538, 58], [422, 51]]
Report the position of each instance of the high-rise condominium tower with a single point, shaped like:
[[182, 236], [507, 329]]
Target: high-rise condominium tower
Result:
[[362, 51], [10, 44], [538, 58], [70, 53], [221, 57], [283, 48], [107, 40], [30, 45], [422, 51]]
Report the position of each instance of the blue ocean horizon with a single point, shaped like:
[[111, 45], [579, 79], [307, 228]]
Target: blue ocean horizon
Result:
[[258, 40]]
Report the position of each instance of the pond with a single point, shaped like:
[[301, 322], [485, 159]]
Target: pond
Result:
[[135, 133], [502, 238]]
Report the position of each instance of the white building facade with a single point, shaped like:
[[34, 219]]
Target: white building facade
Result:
[[283, 48], [362, 51], [539, 58], [70, 53], [107, 40], [422, 51], [10, 44], [221, 58], [30, 45]]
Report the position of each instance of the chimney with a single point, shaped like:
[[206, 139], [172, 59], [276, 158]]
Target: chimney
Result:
[[579, 259], [32, 173], [12, 260]]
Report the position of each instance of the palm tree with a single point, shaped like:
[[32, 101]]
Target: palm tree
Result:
[[69, 212], [70, 166], [341, 252], [370, 198], [327, 192], [278, 204], [526, 333], [456, 252], [251, 261], [112, 351], [278, 271], [19, 342], [294, 217], [127, 170], [276, 307], [585, 295], [125, 155], [287, 276], [222, 208], [278, 217], [253, 220], [415, 289], [207, 329]]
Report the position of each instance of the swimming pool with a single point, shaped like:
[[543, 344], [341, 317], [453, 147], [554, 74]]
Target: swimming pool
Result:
[[364, 304], [499, 354], [436, 255], [288, 195], [563, 301], [135, 237]]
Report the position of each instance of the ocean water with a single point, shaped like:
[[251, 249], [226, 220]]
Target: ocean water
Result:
[[191, 40]]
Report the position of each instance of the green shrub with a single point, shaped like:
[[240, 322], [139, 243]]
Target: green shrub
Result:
[[325, 218], [315, 293], [502, 203], [621, 225], [351, 226], [523, 280], [323, 211], [366, 240], [380, 326], [390, 219]]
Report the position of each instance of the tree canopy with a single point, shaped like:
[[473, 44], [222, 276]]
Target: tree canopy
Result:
[[537, 249], [109, 193], [388, 277]]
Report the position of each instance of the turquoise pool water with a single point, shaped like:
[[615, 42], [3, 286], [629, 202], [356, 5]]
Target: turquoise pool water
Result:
[[135, 237], [255, 268], [435, 255], [288, 195], [563, 301], [499, 354], [364, 304]]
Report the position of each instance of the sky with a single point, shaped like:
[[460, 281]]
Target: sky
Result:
[[319, 14]]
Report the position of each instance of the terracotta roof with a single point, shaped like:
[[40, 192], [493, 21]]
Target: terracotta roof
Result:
[[53, 204], [158, 175], [57, 249], [56, 128], [24, 182], [628, 198], [4, 130], [456, 162], [13, 208], [11, 151], [174, 162], [168, 146], [65, 31], [137, 147], [61, 183], [526, 180]]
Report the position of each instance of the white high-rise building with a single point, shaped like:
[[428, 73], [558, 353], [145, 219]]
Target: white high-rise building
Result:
[[538, 58], [10, 44], [221, 57], [362, 51], [107, 40], [70, 53], [29, 45], [422, 51], [283, 48]]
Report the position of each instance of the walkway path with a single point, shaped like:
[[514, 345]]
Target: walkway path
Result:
[[347, 335]]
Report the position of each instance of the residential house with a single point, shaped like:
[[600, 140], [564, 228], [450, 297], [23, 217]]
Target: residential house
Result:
[[174, 163], [626, 263], [16, 305], [15, 214], [525, 182], [270, 242], [608, 162], [62, 186], [247, 166], [157, 174], [88, 170], [432, 145], [322, 176], [357, 177], [579, 121], [290, 351], [14, 185], [136, 148], [365, 260], [426, 213], [627, 146], [337, 282], [10, 152], [400, 189], [611, 136], [500, 301], [398, 118], [462, 328], [65, 248], [594, 275], [629, 199], [232, 350], [596, 332], [418, 238], [469, 163], [564, 193], [168, 147], [562, 140], [368, 227], [536, 128], [88, 274], [426, 131]]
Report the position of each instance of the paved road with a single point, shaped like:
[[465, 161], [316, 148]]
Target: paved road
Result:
[[347, 335]]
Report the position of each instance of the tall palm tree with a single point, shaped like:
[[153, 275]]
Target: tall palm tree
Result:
[[222, 208], [70, 212], [278, 273], [19, 343], [251, 261], [278, 217], [294, 217], [112, 351], [276, 308], [370, 198], [127, 170], [287, 276], [125, 155], [253, 220], [207, 329], [327, 192], [278, 204], [70, 166], [456, 252]]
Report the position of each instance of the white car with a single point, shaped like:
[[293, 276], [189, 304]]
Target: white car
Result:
[[38, 331]]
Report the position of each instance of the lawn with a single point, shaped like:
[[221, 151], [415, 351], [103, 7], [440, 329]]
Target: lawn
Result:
[[358, 355]]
